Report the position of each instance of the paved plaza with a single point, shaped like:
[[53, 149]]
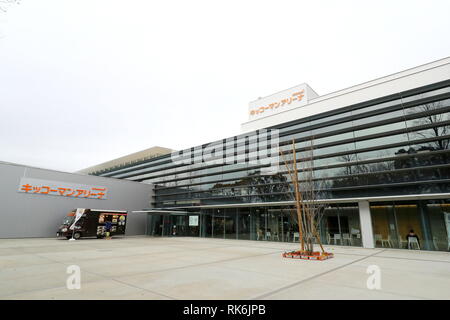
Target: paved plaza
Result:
[[199, 268]]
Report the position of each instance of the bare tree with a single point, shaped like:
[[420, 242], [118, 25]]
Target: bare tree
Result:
[[4, 4], [306, 193], [435, 119]]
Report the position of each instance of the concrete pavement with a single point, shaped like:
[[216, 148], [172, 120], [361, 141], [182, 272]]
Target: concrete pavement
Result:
[[199, 268]]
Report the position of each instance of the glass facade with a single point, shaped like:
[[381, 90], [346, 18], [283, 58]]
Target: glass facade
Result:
[[338, 225], [396, 145], [392, 221]]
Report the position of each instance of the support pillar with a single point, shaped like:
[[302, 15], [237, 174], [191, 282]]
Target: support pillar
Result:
[[366, 224], [426, 228]]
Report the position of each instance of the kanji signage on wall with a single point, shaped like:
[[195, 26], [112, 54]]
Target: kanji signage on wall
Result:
[[62, 189], [285, 100]]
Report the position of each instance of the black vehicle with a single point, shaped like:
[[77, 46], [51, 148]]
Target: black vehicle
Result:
[[92, 223]]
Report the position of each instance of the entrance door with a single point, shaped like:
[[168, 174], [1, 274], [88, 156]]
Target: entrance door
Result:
[[230, 223], [179, 225], [173, 225], [166, 225], [218, 225], [155, 225], [340, 225]]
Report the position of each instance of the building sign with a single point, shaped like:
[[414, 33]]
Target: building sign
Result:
[[193, 221], [62, 189], [285, 100]]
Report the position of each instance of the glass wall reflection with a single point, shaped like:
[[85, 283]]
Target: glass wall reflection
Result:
[[439, 214], [394, 224], [340, 225], [423, 225]]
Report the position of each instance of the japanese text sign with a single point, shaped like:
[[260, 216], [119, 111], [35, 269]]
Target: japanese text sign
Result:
[[281, 101], [63, 189]]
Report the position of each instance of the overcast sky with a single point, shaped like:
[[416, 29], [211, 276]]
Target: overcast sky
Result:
[[86, 81]]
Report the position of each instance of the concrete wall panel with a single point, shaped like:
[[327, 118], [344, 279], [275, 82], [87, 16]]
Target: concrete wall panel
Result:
[[34, 215]]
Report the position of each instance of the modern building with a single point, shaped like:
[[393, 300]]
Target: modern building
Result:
[[381, 154], [127, 160]]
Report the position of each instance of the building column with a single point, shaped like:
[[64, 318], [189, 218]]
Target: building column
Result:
[[237, 223], [426, 242], [366, 224]]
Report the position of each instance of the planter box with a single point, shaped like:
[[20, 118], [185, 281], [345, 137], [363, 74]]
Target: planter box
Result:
[[303, 255]]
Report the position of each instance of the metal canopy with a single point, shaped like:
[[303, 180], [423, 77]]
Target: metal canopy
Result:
[[162, 211]]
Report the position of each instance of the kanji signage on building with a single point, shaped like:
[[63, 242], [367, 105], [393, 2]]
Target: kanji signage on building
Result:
[[62, 189], [285, 100]]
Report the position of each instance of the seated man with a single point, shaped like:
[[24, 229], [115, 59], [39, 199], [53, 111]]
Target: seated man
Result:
[[411, 234]]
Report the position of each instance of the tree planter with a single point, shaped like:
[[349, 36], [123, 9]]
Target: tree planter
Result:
[[305, 256]]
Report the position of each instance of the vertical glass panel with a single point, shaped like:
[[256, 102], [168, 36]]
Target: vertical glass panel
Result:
[[384, 226], [244, 224], [340, 225], [284, 225], [332, 225], [408, 219], [439, 217], [154, 225], [206, 220], [230, 221], [166, 225], [290, 226], [218, 224], [274, 225], [260, 223], [178, 225], [350, 225]]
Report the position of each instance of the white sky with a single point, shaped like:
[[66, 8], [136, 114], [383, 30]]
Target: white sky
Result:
[[86, 81]]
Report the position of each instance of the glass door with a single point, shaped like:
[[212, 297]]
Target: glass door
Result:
[[230, 221], [154, 226], [166, 226], [244, 224], [206, 222], [340, 225], [218, 224], [260, 223]]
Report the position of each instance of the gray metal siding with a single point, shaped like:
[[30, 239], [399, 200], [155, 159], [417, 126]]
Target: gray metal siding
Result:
[[33, 215]]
